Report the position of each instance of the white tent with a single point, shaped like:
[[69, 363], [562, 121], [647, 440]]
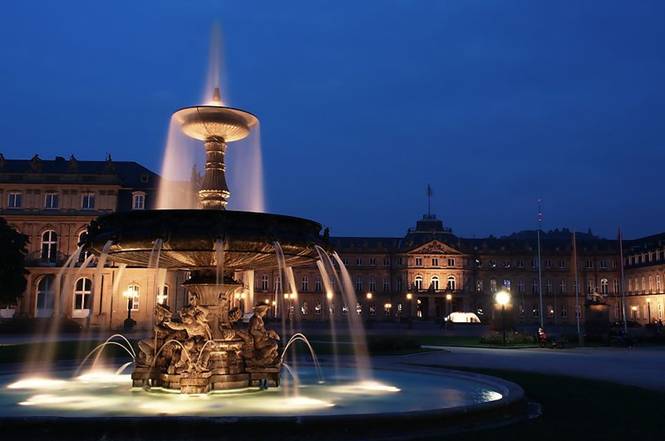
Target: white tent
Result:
[[462, 317]]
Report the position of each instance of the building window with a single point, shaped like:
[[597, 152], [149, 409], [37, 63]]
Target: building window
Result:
[[133, 291], [562, 264], [45, 296], [51, 200], [304, 284], [492, 263], [359, 284], [359, 261], [419, 282], [14, 200], [49, 246], [534, 287], [386, 285], [386, 261], [644, 283], [435, 261], [82, 296], [479, 286], [658, 284], [520, 287], [604, 264], [345, 260], [84, 252], [548, 287], [87, 201], [562, 287], [534, 311], [506, 284], [419, 261], [317, 285], [520, 263], [264, 282], [278, 284], [399, 283], [163, 295], [372, 260], [589, 286], [588, 264], [604, 286], [564, 311], [372, 285], [548, 263], [138, 200], [492, 286], [451, 261], [435, 283]]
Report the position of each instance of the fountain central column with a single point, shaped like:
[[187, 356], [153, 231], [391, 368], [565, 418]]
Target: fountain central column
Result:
[[214, 193]]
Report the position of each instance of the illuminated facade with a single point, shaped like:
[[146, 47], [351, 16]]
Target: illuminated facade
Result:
[[52, 201]]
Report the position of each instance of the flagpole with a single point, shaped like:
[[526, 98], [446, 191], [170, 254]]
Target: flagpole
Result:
[[540, 271], [577, 291], [623, 288]]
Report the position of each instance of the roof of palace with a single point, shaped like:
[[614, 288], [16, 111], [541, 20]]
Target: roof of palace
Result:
[[73, 171], [430, 229]]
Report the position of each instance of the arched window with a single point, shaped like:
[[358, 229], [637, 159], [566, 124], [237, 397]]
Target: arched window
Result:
[[132, 295], [659, 286], [45, 296], [418, 281], [49, 246], [452, 283], [435, 283], [163, 295], [82, 297], [84, 253], [604, 286]]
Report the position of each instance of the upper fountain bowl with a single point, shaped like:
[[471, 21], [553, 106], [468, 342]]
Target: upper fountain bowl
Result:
[[208, 121], [189, 236]]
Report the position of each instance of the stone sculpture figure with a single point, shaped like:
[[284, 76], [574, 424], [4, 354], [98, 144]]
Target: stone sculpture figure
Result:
[[264, 342], [161, 333]]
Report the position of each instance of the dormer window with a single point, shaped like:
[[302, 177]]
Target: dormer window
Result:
[[14, 200], [51, 200], [88, 201], [138, 200]]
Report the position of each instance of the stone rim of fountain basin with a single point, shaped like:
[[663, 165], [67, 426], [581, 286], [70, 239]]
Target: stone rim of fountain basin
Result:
[[189, 237], [208, 120], [511, 408]]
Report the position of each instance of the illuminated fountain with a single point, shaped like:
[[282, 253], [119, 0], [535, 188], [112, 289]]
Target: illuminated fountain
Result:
[[217, 365]]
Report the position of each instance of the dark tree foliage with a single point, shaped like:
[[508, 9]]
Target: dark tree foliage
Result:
[[13, 248]]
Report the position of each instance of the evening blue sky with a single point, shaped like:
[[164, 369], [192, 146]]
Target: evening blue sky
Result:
[[363, 103]]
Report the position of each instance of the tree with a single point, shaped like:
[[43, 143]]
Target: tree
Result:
[[13, 248]]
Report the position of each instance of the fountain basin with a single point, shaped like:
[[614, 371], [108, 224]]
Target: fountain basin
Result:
[[205, 122], [189, 238], [415, 402]]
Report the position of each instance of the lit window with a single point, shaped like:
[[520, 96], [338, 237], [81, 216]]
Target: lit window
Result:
[[51, 200], [163, 295], [133, 291], [435, 261], [87, 201], [435, 283], [604, 286], [82, 296], [562, 287], [317, 285], [451, 283], [45, 296], [14, 200], [506, 284], [49, 246], [451, 261], [418, 282], [264, 282], [493, 286], [138, 201], [304, 284]]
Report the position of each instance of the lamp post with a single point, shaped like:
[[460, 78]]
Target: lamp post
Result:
[[409, 302], [503, 298], [449, 307], [129, 323], [368, 298], [648, 311]]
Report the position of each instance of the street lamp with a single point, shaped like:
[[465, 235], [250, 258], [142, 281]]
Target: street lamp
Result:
[[449, 307], [129, 295], [409, 299], [503, 298]]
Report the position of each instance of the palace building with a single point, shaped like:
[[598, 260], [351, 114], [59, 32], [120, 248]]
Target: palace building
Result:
[[426, 274]]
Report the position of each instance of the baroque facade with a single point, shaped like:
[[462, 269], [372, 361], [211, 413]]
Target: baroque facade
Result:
[[426, 274]]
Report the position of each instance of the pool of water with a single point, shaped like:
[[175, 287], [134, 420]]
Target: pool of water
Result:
[[101, 393]]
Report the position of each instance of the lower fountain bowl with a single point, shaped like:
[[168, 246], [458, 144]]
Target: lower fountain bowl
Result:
[[189, 238], [410, 403]]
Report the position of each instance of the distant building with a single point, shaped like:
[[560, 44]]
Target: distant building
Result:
[[52, 201]]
